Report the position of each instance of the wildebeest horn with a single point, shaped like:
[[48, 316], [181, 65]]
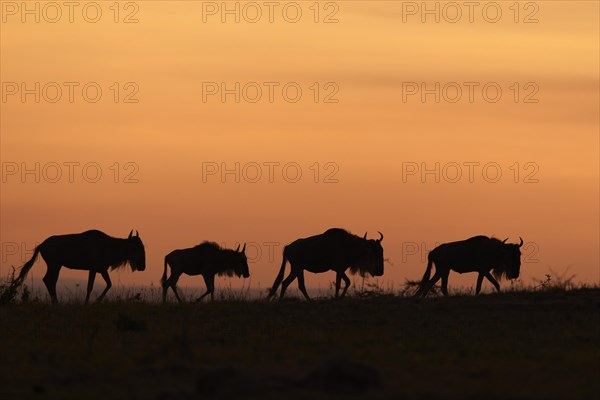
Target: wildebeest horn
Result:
[[521, 244], [238, 247], [243, 248], [136, 233], [380, 234], [130, 234], [365, 237], [504, 241]]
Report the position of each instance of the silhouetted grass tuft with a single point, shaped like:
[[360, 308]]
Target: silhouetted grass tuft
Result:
[[411, 288], [9, 289], [555, 281]]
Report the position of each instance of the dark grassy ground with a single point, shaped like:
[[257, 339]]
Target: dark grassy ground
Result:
[[529, 345]]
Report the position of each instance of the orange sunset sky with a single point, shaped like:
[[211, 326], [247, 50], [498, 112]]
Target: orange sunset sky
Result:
[[547, 150]]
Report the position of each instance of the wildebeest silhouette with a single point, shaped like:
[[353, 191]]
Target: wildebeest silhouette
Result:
[[337, 250], [92, 251], [207, 259], [477, 254]]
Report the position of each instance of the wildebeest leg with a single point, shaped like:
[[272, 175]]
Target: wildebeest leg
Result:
[[174, 287], [445, 283], [301, 284], [165, 288], [494, 281], [50, 280], [90, 285], [286, 282], [172, 283], [338, 281], [479, 282], [346, 283], [108, 285], [431, 282], [210, 287]]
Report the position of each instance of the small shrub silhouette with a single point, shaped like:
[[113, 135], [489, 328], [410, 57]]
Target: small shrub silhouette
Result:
[[10, 288], [555, 281]]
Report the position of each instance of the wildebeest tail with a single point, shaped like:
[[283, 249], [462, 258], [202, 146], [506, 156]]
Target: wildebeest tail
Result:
[[279, 276], [426, 275], [27, 266], [164, 277]]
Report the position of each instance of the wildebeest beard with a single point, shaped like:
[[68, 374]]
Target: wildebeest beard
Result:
[[508, 253], [362, 268], [365, 262], [228, 269], [124, 254]]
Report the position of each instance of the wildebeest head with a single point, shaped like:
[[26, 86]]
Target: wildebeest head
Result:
[[136, 252], [509, 262], [241, 262], [372, 259]]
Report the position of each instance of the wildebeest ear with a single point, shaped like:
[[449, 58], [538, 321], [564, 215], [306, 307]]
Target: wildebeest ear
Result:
[[238, 248], [504, 241], [243, 249], [365, 237], [130, 234]]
